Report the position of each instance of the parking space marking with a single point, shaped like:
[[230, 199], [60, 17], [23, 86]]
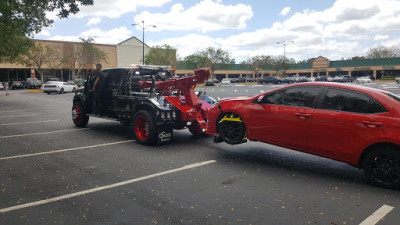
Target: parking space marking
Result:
[[19, 116], [19, 110], [23, 123], [50, 132], [65, 150], [377, 215], [41, 202]]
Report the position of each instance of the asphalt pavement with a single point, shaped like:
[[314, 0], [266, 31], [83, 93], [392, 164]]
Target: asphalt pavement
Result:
[[54, 173]]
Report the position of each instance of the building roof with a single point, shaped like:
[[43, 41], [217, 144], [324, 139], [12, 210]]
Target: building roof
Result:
[[333, 64], [134, 38]]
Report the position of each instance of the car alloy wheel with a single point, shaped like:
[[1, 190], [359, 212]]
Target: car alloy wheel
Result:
[[382, 167], [232, 129]]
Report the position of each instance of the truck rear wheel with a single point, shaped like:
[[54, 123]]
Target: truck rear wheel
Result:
[[144, 127]]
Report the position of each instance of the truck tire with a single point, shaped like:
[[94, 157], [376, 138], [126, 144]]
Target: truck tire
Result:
[[79, 116], [144, 127]]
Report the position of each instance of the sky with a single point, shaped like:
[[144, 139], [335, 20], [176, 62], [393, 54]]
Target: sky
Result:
[[335, 29]]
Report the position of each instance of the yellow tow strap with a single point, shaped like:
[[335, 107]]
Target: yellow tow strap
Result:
[[231, 118]]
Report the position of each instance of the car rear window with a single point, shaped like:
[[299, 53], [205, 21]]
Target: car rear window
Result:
[[350, 101]]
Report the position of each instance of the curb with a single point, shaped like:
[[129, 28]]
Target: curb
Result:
[[35, 91]]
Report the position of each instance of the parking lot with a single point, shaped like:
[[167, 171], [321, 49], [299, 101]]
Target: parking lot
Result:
[[55, 173]]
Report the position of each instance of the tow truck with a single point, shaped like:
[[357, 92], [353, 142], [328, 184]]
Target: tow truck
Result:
[[150, 99]]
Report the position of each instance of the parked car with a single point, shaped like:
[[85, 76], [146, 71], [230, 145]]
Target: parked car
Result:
[[348, 78], [216, 81], [270, 80], [353, 124], [287, 80], [209, 83], [339, 79], [225, 81], [302, 79], [324, 78], [32, 83], [363, 80], [58, 86], [17, 85], [1, 86]]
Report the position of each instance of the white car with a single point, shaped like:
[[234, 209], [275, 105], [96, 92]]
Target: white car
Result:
[[1, 86], [363, 80], [225, 81], [58, 86]]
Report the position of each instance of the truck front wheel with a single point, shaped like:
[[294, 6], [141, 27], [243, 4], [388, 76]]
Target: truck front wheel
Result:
[[144, 127], [79, 117]]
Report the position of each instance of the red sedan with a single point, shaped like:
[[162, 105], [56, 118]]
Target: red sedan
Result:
[[352, 124]]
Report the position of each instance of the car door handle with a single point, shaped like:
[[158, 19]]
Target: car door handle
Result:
[[372, 124], [302, 115]]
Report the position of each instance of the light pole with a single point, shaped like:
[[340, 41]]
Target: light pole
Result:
[[143, 28], [284, 43]]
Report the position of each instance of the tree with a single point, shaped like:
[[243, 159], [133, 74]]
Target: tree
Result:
[[22, 18], [82, 54], [383, 52], [282, 63], [162, 55], [310, 60], [41, 57], [256, 63], [358, 58], [209, 57]]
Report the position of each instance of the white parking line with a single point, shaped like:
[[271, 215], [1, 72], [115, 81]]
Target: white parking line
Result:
[[377, 215], [51, 132], [19, 116], [64, 150], [191, 166], [19, 110], [23, 123]]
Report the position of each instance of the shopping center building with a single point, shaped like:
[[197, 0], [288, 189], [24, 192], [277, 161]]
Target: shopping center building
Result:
[[375, 68], [130, 52]]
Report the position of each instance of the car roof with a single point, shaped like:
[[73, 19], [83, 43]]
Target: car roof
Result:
[[341, 85]]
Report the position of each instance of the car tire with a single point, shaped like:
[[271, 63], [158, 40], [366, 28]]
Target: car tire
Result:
[[62, 91], [79, 116], [382, 167], [144, 127], [231, 128], [73, 90]]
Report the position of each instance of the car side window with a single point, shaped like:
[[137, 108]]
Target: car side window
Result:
[[350, 101], [303, 96]]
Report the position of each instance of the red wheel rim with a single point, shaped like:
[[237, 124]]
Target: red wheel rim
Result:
[[141, 127], [78, 112]]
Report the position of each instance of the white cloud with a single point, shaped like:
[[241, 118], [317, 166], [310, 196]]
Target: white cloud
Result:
[[204, 16], [379, 37], [44, 33], [94, 21], [115, 8], [113, 36], [285, 11]]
